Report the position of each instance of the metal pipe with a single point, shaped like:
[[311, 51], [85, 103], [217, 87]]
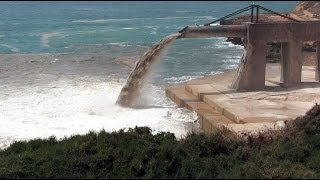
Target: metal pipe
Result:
[[214, 31], [252, 14], [257, 14]]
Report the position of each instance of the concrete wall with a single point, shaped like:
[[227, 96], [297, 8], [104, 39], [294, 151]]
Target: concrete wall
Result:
[[291, 36]]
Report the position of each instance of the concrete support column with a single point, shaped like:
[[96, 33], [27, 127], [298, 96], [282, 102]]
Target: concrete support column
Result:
[[291, 63], [252, 68], [317, 68]]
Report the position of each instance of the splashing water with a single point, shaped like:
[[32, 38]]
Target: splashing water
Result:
[[138, 77]]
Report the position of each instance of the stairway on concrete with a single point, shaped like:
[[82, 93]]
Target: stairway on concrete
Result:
[[219, 106], [209, 117]]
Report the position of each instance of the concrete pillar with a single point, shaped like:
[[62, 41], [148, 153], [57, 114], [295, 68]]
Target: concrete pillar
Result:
[[317, 68], [291, 63], [252, 69]]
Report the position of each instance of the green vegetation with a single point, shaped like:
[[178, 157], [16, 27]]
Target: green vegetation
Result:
[[294, 153]]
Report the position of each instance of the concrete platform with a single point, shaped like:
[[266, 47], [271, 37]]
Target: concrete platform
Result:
[[217, 105]]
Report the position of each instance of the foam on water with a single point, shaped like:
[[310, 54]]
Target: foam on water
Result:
[[66, 109], [12, 48], [123, 44], [46, 36], [182, 79], [129, 28], [146, 18], [215, 24], [103, 20]]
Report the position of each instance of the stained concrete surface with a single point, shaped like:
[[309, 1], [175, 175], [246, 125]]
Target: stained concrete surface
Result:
[[249, 112]]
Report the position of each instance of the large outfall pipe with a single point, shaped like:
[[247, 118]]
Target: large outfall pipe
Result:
[[214, 31]]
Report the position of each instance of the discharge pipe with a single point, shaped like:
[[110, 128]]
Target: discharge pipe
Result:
[[214, 31]]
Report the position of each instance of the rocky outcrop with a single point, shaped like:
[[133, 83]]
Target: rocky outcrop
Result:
[[306, 11]]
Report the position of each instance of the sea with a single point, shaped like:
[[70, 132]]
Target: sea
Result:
[[63, 64]]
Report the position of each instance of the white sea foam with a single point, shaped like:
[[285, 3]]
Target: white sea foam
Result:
[[182, 79], [184, 11], [222, 44], [172, 18], [185, 17], [122, 44], [230, 44], [46, 36], [102, 20], [130, 28], [215, 24], [64, 108], [154, 29], [12, 48], [131, 19], [93, 31]]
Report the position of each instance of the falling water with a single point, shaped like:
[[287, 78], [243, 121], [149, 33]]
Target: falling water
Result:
[[131, 90]]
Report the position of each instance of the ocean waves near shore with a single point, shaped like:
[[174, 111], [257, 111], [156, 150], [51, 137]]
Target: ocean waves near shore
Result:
[[61, 95]]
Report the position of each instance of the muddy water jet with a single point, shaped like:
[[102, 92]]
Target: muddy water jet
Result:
[[131, 90]]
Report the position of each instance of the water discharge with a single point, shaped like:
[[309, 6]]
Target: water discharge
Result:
[[131, 90]]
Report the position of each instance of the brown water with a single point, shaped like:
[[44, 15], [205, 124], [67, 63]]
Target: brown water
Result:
[[138, 77]]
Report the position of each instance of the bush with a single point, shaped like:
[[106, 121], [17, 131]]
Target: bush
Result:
[[294, 153]]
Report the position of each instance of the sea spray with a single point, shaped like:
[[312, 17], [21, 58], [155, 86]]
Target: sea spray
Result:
[[131, 90]]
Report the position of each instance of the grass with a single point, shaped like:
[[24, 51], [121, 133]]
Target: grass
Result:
[[294, 153]]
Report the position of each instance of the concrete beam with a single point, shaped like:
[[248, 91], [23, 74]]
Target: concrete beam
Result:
[[284, 31], [317, 68], [252, 68], [291, 63]]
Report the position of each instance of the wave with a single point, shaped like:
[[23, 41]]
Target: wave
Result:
[[102, 20], [184, 11], [181, 79], [207, 17], [129, 28], [186, 17], [67, 108], [132, 19], [122, 44], [46, 36], [119, 44], [230, 44], [12, 48], [223, 44], [230, 57], [173, 18], [215, 24]]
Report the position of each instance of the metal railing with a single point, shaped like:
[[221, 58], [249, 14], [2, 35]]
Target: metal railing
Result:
[[251, 7]]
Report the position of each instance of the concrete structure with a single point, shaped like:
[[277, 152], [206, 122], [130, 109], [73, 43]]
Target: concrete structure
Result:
[[251, 71], [317, 74], [255, 97], [218, 106]]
